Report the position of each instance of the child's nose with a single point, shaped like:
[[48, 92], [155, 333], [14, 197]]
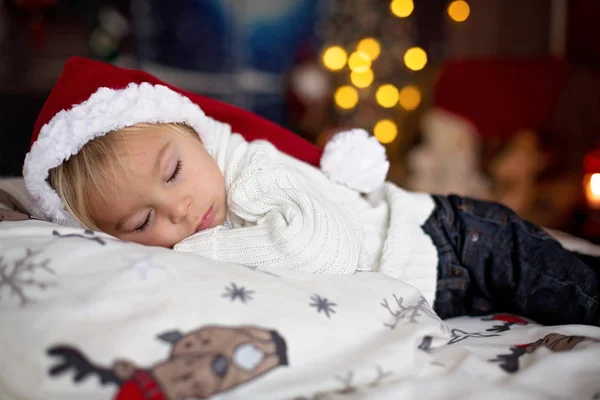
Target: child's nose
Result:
[[181, 210]]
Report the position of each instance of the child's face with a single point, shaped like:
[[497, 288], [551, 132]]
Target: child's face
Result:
[[170, 188]]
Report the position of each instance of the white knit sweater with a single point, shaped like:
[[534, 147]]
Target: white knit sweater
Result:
[[285, 213]]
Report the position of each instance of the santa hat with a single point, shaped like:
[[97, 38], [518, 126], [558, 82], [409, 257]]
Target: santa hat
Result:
[[92, 98]]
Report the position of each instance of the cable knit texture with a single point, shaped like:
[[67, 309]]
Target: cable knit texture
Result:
[[283, 213], [279, 216]]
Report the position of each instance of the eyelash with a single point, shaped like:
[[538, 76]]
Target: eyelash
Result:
[[176, 172], [146, 223]]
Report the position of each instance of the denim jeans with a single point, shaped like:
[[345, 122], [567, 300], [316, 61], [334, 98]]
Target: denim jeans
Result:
[[491, 260]]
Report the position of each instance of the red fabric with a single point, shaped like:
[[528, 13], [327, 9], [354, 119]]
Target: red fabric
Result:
[[141, 387], [501, 96], [591, 162], [81, 77], [513, 319], [129, 391]]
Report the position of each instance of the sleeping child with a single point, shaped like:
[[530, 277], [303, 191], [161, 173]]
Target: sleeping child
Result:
[[117, 151]]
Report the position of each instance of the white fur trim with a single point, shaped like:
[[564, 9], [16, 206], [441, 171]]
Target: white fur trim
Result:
[[355, 159], [105, 111]]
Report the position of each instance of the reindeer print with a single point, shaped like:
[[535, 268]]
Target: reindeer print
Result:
[[202, 363], [555, 342]]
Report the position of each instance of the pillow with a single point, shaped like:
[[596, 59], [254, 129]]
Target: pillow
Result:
[[13, 200], [86, 316], [91, 317]]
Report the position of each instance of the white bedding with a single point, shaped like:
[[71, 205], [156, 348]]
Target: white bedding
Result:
[[168, 325]]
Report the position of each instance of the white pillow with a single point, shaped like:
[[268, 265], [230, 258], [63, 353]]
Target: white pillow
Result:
[[154, 322]]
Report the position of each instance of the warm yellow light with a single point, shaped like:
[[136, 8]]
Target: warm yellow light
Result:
[[385, 131], [362, 79], [402, 8], [370, 47], [415, 58], [387, 95], [459, 10], [595, 184], [591, 184], [410, 97], [346, 97], [359, 61], [335, 58]]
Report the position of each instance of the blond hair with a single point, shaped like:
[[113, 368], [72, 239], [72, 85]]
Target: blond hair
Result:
[[96, 165]]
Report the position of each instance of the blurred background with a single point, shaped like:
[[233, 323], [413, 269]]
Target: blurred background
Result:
[[495, 99]]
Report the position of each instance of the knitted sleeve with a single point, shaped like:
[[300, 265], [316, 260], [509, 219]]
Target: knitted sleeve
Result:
[[282, 217]]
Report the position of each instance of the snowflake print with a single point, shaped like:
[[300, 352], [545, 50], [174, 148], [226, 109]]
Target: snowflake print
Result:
[[260, 270], [322, 304], [235, 292], [20, 275]]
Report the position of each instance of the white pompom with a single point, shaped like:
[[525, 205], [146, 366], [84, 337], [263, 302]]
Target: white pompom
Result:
[[355, 159]]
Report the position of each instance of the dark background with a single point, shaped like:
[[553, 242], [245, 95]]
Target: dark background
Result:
[[190, 44]]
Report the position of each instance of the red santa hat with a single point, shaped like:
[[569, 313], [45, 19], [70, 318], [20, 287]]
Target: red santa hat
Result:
[[92, 98]]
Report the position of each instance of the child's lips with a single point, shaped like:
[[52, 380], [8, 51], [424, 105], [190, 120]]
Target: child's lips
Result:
[[206, 220]]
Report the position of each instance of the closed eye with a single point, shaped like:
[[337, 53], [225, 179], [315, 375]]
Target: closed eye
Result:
[[176, 172], [146, 224]]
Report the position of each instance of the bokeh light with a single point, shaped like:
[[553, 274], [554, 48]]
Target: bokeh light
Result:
[[370, 47], [385, 131], [387, 95], [410, 97], [362, 79], [415, 58], [595, 184], [335, 58], [346, 97], [402, 8], [359, 61], [459, 10]]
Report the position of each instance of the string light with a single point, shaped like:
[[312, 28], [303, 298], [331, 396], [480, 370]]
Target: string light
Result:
[[410, 97], [402, 8], [370, 47], [415, 58], [459, 10], [346, 97], [359, 61], [362, 79], [335, 58], [385, 131], [387, 95]]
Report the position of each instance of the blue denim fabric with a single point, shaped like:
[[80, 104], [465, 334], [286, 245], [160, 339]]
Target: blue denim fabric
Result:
[[491, 260]]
